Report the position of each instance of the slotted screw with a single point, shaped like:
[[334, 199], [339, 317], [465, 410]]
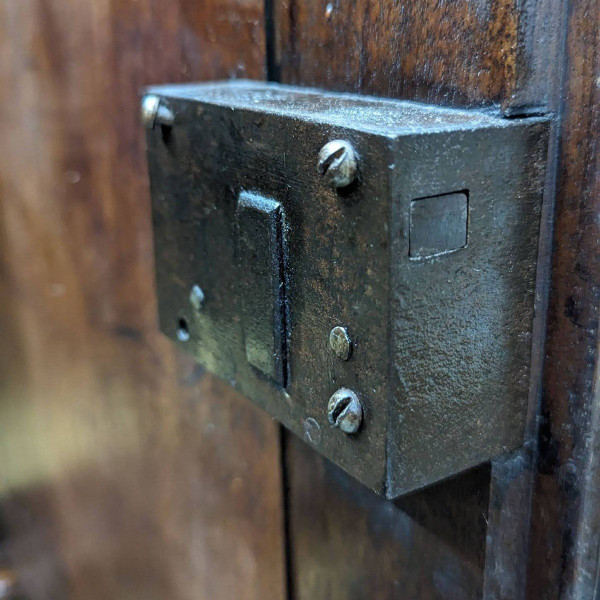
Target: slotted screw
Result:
[[155, 113], [344, 410], [338, 163]]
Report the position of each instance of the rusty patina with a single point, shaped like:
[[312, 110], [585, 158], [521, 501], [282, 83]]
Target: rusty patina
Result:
[[441, 329]]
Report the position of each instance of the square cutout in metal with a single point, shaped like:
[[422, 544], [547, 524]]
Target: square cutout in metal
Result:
[[438, 225]]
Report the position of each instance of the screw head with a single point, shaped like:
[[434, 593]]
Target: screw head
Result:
[[149, 108], [153, 112], [197, 297], [338, 163], [344, 410], [340, 342]]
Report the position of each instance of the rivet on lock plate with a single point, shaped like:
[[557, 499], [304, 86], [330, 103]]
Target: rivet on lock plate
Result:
[[363, 269]]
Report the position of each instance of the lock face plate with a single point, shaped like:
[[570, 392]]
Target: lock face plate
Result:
[[427, 260]]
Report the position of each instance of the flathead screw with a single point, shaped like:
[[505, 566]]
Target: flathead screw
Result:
[[340, 342], [154, 113], [338, 163], [344, 410], [197, 297]]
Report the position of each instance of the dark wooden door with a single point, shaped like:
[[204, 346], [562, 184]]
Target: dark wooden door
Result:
[[129, 472]]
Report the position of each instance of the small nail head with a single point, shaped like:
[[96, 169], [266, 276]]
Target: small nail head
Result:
[[340, 342], [197, 297]]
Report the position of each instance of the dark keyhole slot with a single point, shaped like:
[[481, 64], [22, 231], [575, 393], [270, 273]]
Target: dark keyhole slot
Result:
[[166, 132], [340, 408], [183, 330]]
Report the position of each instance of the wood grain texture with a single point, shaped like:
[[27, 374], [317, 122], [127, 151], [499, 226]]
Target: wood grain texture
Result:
[[465, 52], [349, 544], [366, 47], [566, 508], [379, 549], [126, 471]]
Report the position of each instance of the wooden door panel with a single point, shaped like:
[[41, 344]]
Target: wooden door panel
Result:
[[127, 471], [462, 53], [471, 53], [566, 517], [348, 543]]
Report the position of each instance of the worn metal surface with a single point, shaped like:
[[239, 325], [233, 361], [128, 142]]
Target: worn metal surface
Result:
[[260, 224], [442, 344]]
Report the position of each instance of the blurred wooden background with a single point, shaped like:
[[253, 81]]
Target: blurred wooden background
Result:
[[127, 472]]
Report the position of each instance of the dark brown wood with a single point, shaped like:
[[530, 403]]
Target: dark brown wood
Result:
[[126, 471], [566, 507], [461, 52], [473, 55], [476, 53], [346, 542]]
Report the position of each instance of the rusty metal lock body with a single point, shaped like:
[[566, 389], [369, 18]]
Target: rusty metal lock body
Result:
[[282, 214]]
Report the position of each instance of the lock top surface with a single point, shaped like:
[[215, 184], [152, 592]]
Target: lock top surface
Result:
[[382, 116]]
